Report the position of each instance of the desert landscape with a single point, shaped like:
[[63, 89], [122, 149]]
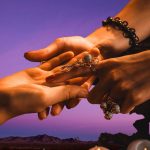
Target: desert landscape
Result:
[[44, 142]]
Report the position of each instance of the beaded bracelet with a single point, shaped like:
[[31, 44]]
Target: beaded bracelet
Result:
[[128, 32]]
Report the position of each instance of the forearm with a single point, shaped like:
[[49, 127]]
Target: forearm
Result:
[[14, 79], [136, 13], [6, 93], [4, 105]]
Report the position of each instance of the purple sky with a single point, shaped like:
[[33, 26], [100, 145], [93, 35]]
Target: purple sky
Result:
[[32, 24]]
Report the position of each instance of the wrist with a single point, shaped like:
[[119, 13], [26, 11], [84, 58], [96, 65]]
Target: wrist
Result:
[[110, 41]]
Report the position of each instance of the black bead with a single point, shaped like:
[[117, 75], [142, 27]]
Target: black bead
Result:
[[128, 32]]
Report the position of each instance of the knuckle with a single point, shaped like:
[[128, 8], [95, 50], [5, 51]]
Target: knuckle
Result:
[[114, 75], [60, 41], [125, 86], [68, 92], [113, 62]]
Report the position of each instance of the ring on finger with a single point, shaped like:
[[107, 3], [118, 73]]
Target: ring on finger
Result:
[[109, 107], [87, 61]]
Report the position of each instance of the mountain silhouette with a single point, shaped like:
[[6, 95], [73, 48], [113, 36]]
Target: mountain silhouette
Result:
[[45, 142]]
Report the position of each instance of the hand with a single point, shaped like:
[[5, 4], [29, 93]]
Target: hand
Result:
[[110, 42], [102, 38], [77, 45], [106, 41], [27, 91], [125, 79]]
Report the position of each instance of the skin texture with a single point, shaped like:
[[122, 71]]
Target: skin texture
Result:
[[27, 91], [125, 78], [77, 45], [110, 42]]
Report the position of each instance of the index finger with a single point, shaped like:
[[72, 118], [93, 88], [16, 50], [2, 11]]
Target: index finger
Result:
[[56, 61], [63, 75]]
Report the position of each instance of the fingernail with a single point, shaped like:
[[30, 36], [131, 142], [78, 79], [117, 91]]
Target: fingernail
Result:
[[26, 54], [42, 118]]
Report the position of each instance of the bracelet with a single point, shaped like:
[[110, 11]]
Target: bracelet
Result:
[[128, 32]]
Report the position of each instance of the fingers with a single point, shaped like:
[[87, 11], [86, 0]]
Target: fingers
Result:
[[61, 76], [117, 95], [89, 82], [131, 101], [76, 81], [128, 95], [43, 115], [49, 65], [56, 61], [74, 102], [76, 44], [97, 93], [57, 108], [53, 95], [68, 92], [127, 108], [45, 53]]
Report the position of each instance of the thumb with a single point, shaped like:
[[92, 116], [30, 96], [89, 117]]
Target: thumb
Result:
[[65, 92], [38, 55], [106, 65], [45, 53]]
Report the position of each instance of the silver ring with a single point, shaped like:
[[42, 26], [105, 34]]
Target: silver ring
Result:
[[87, 61], [109, 107]]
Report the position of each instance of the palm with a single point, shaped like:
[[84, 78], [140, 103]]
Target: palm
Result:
[[29, 76], [36, 75], [75, 44]]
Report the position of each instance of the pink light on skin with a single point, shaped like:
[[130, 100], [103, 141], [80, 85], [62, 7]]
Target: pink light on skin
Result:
[[24, 27]]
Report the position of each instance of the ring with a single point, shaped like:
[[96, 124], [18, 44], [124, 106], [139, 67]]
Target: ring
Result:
[[87, 61], [109, 107]]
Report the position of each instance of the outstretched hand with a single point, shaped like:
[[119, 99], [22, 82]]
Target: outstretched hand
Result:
[[28, 92], [77, 45], [125, 79]]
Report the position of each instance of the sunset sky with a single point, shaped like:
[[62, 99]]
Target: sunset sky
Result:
[[33, 24]]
